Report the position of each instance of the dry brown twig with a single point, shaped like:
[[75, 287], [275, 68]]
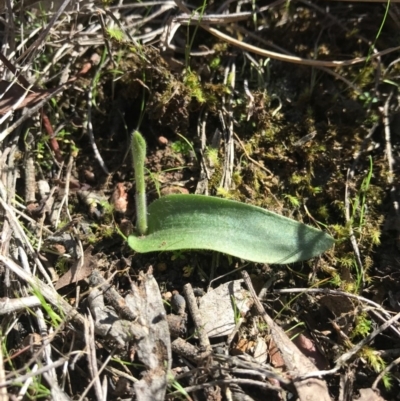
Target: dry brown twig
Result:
[[22, 378], [227, 382], [376, 307], [390, 159], [21, 235], [96, 151], [40, 98], [384, 372], [274, 55], [56, 392], [352, 236], [297, 364], [226, 118], [112, 296], [102, 367], [343, 360], [12, 305], [202, 184], [48, 293], [91, 356], [196, 316]]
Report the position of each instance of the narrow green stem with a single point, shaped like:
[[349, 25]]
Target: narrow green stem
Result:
[[139, 156]]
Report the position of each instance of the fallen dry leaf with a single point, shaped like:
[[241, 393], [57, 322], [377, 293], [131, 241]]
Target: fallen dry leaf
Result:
[[119, 198], [217, 309], [75, 273]]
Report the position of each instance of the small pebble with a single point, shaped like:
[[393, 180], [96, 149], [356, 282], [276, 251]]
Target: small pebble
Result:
[[162, 141], [178, 303], [89, 176], [167, 296], [161, 266], [126, 227]]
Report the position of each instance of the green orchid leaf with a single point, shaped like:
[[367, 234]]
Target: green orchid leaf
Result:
[[245, 231]]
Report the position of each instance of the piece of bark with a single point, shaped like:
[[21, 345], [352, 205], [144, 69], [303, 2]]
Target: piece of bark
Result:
[[153, 350], [109, 325]]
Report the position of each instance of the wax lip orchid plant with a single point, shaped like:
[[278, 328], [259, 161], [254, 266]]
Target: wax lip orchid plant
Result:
[[179, 222]]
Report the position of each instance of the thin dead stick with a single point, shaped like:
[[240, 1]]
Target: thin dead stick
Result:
[[365, 1], [96, 151], [27, 383], [64, 200], [112, 296], [30, 181], [296, 363], [56, 392], [345, 357], [49, 293], [23, 378], [348, 355], [35, 46], [202, 183], [102, 367], [47, 350], [324, 69], [334, 292], [389, 155], [227, 382], [12, 305], [142, 4], [226, 180], [119, 373], [91, 356], [250, 366], [213, 18], [21, 235], [278, 56], [294, 59], [195, 313], [26, 217], [384, 372], [183, 348], [32, 110], [10, 29], [352, 236]]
